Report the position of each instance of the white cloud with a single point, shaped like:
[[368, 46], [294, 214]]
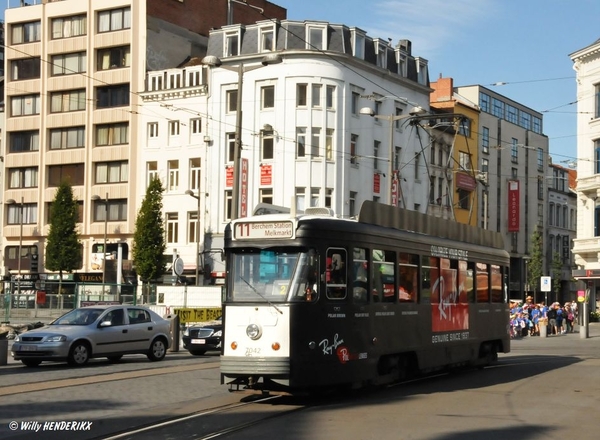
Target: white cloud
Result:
[[430, 24]]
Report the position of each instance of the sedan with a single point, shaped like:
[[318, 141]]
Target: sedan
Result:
[[109, 331], [202, 338]]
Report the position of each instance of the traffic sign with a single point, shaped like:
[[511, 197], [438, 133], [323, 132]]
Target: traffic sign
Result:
[[546, 284]]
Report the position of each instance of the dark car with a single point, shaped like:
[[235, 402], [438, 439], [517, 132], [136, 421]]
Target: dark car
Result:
[[202, 338]]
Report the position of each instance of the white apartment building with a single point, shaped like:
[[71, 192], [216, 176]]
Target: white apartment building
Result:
[[586, 246]]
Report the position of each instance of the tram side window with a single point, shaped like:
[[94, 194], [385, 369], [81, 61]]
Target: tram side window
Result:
[[336, 274], [430, 273], [384, 275], [483, 283], [305, 285], [360, 271], [408, 275], [465, 283], [497, 291]]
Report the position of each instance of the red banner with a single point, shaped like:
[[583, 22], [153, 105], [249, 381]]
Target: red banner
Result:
[[395, 189], [376, 183], [513, 206], [244, 189], [266, 175], [228, 177]]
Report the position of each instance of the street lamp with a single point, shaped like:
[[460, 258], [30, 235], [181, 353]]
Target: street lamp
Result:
[[97, 198], [189, 192], [213, 61], [21, 206], [414, 112]]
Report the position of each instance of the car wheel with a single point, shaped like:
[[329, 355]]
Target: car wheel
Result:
[[114, 358], [197, 352], [79, 354], [158, 350], [30, 363]]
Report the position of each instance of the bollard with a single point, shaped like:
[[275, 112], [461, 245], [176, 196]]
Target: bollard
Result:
[[3, 350], [584, 327], [174, 330]]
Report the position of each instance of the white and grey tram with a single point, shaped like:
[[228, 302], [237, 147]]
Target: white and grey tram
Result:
[[314, 301]]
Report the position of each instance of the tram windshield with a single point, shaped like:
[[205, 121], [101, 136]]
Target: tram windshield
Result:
[[272, 275]]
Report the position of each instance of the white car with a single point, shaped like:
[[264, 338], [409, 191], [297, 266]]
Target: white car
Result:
[[109, 331]]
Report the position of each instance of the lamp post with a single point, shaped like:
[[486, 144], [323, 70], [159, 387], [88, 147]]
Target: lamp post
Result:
[[19, 256], [97, 198], [189, 192], [414, 112], [213, 61]]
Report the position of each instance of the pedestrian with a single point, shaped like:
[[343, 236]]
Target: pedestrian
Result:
[[552, 319]]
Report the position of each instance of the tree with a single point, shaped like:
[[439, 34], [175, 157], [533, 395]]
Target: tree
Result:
[[149, 236], [536, 264], [63, 247], [557, 266]]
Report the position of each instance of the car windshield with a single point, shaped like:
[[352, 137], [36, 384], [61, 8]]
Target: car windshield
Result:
[[270, 275], [79, 317]]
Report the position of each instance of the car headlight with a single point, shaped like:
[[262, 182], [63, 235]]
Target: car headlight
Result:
[[218, 334], [56, 338], [186, 332], [17, 338]]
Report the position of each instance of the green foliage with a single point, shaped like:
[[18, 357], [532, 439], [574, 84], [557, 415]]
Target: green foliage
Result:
[[557, 265], [63, 248], [536, 263], [149, 237]]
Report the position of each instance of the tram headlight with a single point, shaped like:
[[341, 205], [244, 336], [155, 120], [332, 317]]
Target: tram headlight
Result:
[[253, 331]]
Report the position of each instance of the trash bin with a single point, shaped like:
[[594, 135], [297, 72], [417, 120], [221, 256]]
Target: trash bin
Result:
[[3, 349], [174, 330], [543, 329]]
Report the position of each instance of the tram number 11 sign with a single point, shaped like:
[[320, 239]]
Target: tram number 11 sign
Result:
[[263, 230]]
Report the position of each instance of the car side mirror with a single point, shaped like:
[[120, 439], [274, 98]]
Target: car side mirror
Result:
[[105, 324]]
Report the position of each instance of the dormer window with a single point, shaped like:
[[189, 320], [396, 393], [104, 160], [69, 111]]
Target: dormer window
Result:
[[422, 71], [358, 45], [232, 44], [402, 65], [316, 38], [267, 39], [381, 49]]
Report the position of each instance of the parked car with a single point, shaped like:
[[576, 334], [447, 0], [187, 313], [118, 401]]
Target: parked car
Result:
[[205, 337], [109, 331]]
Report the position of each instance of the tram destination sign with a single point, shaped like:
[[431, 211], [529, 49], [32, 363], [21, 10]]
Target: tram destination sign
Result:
[[263, 230]]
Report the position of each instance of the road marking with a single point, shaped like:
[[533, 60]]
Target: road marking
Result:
[[60, 383]]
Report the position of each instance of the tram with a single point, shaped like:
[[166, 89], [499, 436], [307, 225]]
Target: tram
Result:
[[316, 302]]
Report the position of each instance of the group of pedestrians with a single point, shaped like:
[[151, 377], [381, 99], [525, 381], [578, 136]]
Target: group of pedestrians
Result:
[[528, 319]]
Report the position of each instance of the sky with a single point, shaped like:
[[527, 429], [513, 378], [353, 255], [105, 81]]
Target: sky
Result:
[[523, 43]]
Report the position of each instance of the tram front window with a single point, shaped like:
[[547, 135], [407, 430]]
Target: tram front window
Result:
[[274, 275]]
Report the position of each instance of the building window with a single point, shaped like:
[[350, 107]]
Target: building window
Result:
[[73, 172], [67, 64], [267, 145], [537, 125], [23, 177], [112, 134], [464, 161], [232, 44], [485, 165], [484, 102], [376, 145], [151, 172], [315, 142], [265, 195], [301, 95], [485, 139], [193, 232], [512, 114], [354, 149], [65, 27], [464, 198], [352, 203], [114, 58], [196, 125], [355, 103], [112, 96], [267, 40], [230, 147], [27, 68], [65, 138], [514, 151], [172, 227], [381, 55], [526, 120], [315, 38], [26, 32], [328, 197], [112, 172], [540, 159], [417, 165], [358, 46], [195, 172], [329, 137], [116, 210], [25, 105], [498, 108], [300, 198], [174, 128], [316, 95], [465, 127], [267, 97], [540, 189], [228, 204], [300, 142], [152, 129], [173, 173], [231, 101], [551, 214], [22, 141], [314, 197], [13, 214], [67, 101], [114, 20], [329, 96]]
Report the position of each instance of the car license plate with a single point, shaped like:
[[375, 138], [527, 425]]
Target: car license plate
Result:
[[28, 348], [198, 341]]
